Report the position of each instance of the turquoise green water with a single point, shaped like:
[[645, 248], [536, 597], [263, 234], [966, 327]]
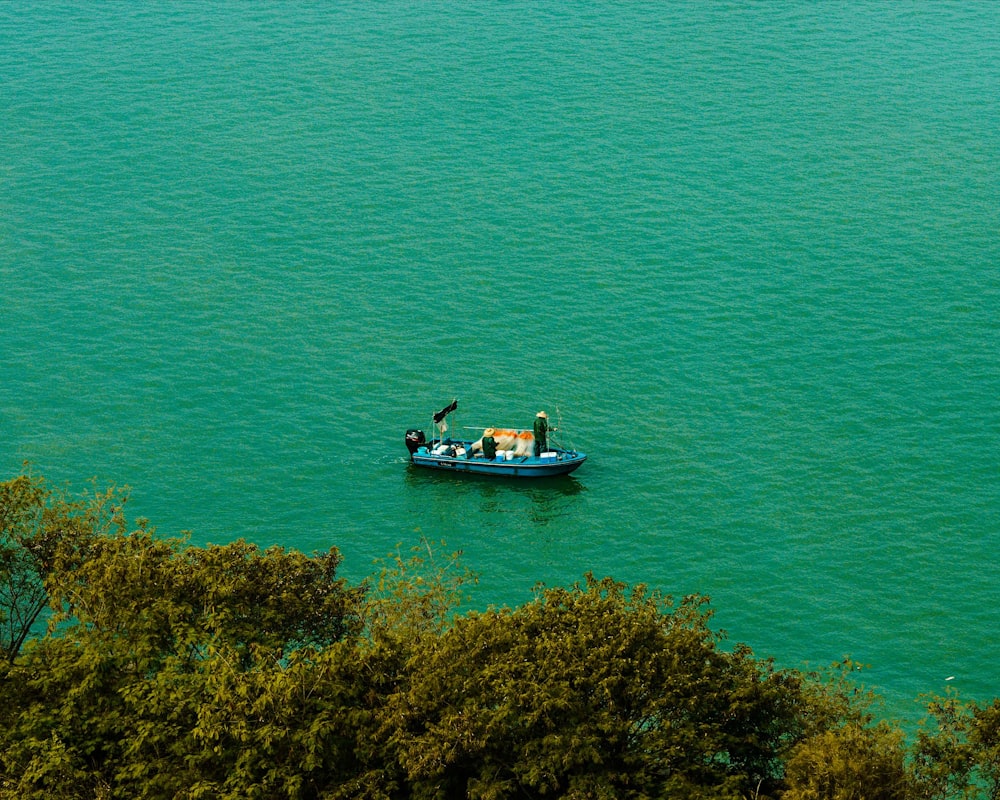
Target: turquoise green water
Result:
[[748, 252]]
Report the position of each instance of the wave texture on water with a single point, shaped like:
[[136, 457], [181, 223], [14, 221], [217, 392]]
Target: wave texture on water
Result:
[[748, 254]]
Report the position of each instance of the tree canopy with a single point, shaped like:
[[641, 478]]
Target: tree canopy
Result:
[[142, 667]]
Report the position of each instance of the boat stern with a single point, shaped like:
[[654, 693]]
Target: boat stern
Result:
[[414, 440]]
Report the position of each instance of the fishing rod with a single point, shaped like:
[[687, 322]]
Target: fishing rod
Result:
[[558, 441]]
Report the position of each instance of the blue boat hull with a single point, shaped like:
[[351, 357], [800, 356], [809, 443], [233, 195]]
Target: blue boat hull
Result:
[[562, 463]]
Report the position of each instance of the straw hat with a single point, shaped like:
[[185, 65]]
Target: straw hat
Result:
[[489, 432], [542, 414]]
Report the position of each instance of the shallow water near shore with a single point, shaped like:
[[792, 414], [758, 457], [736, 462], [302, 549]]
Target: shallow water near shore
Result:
[[745, 257]]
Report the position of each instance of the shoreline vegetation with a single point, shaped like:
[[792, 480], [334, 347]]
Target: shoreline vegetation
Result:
[[140, 667]]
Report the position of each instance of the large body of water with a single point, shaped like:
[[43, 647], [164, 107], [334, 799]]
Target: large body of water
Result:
[[749, 252]]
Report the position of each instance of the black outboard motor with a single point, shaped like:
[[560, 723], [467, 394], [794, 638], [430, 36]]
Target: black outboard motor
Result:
[[414, 439]]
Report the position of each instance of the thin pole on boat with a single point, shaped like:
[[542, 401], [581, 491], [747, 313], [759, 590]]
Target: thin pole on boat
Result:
[[494, 425]]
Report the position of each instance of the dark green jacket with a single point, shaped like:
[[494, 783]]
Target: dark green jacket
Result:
[[489, 447], [541, 429]]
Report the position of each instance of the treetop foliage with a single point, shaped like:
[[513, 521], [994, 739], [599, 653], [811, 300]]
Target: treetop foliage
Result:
[[164, 670]]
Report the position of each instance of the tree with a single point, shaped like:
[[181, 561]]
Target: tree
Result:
[[166, 598], [417, 596], [984, 737], [844, 753], [957, 753], [852, 762], [40, 527], [942, 758], [591, 691], [110, 701], [173, 671]]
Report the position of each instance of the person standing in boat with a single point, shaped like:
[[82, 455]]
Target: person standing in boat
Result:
[[541, 433], [489, 444]]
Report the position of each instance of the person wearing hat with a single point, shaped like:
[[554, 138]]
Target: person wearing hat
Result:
[[541, 433], [489, 444]]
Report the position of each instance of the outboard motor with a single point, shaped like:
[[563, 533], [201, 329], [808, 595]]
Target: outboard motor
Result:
[[414, 439]]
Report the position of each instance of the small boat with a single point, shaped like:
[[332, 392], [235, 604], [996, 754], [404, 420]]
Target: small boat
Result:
[[509, 452]]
